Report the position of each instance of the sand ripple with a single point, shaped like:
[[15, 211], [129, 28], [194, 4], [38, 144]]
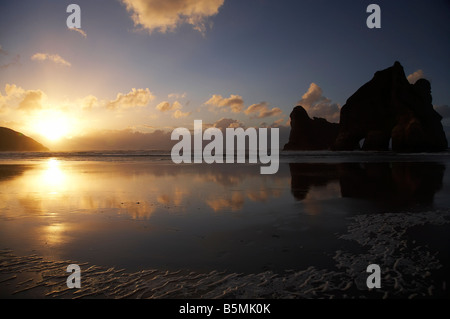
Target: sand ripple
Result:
[[407, 271]]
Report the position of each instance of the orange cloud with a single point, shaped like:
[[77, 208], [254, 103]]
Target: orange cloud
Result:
[[224, 123], [177, 95], [134, 98], [80, 31], [166, 106], [56, 58], [178, 114], [413, 77], [175, 106], [235, 102], [32, 100], [164, 15], [24, 100], [318, 105], [89, 102], [263, 110]]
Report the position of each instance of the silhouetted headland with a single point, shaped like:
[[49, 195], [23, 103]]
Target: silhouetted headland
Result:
[[387, 109], [12, 141]]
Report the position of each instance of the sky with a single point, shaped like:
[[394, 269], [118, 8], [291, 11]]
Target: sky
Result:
[[137, 69]]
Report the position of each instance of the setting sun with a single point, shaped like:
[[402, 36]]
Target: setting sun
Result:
[[52, 126]]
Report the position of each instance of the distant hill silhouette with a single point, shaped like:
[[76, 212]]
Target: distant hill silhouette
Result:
[[13, 141], [386, 109]]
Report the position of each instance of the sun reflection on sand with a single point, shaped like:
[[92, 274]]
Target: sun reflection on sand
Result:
[[53, 234], [56, 187], [235, 203], [53, 177]]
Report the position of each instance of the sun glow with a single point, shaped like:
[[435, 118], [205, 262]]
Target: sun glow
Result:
[[53, 126]]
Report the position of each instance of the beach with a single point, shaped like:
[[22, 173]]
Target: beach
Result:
[[140, 226]]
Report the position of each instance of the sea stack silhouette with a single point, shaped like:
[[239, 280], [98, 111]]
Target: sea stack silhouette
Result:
[[12, 141], [386, 109], [310, 134]]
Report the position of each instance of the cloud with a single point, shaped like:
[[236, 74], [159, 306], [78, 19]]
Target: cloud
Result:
[[177, 95], [263, 110], [32, 100], [256, 108], [80, 31], [89, 102], [278, 123], [24, 100], [13, 90], [224, 123], [165, 15], [175, 106], [51, 57], [413, 77], [166, 106], [28, 100], [134, 98], [235, 103], [443, 110], [318, 105], [178, 114]]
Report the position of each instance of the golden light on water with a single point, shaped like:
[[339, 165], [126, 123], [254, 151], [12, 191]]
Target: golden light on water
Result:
[[52, 187], [53, 177], [53, 234]]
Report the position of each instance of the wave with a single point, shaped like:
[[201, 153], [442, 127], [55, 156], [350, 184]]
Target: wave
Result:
[[90, 155], [284, 156]]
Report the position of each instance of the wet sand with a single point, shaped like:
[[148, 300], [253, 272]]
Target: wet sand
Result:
[[409, 271], [143, 228]]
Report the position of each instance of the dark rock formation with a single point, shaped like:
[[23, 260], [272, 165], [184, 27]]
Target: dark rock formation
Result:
[[310, 134], [389, 107], [13, 141]]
